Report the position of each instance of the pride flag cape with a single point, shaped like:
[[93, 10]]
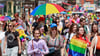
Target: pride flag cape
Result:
[[77, 47]]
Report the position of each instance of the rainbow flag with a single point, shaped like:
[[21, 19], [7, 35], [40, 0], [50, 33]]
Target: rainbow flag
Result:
[[77, 47], [20, 27]]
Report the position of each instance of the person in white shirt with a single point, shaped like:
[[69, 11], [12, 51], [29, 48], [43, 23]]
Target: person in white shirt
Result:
[[72, 31], [2, 35]]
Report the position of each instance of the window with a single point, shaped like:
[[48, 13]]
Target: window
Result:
[[73, 2], [87, 2], [98, 4]]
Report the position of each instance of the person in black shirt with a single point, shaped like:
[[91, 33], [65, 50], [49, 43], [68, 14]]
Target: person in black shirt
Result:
[[13, 41], [35, 24], [65, 29]]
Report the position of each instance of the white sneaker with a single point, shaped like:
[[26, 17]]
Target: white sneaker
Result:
[[24, 52]]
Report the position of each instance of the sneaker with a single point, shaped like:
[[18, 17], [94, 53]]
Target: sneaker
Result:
[[24, 52]]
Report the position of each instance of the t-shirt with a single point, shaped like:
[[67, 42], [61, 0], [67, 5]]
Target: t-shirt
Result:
[[58, 41], [2, 35], [71, 35], [2, 38], [12, 39], [65, 30], [35, 24]]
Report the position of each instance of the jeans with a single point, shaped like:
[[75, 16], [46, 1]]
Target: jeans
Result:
[[12, 51]]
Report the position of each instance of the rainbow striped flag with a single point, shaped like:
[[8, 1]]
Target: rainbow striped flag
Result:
[[77, 47], [20, 27]]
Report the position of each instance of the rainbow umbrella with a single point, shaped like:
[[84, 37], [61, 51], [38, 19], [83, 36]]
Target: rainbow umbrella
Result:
[[48, 8], [5, 18]]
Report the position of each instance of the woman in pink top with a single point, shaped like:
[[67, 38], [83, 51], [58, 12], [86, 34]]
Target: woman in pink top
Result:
[[37, 47]]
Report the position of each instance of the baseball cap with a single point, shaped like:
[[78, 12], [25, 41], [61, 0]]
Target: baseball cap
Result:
[[53, 25]]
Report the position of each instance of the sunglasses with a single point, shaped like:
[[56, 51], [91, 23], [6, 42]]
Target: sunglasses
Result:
[[66, 22], [10, 25], [37, 33], [54, 29]]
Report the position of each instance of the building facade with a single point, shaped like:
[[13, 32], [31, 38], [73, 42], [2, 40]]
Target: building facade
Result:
[[97, 2], [87, 1], [72, 2], [3, 10]]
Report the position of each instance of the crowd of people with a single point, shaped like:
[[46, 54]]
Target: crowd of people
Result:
[[51, 35]]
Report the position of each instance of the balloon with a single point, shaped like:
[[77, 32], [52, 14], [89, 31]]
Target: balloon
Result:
[[78, 20], [77, 6], [73, 21], [97, 17], [21, 34], [68, 17], [24, 35], [21, 37], [21, 31], [23, 40]]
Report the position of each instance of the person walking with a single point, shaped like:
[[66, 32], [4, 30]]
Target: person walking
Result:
[[54, 41], [79, 43], [2, 37], [95, 45], [12, 40], [94, 30], [72, 32], [37, 46]]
